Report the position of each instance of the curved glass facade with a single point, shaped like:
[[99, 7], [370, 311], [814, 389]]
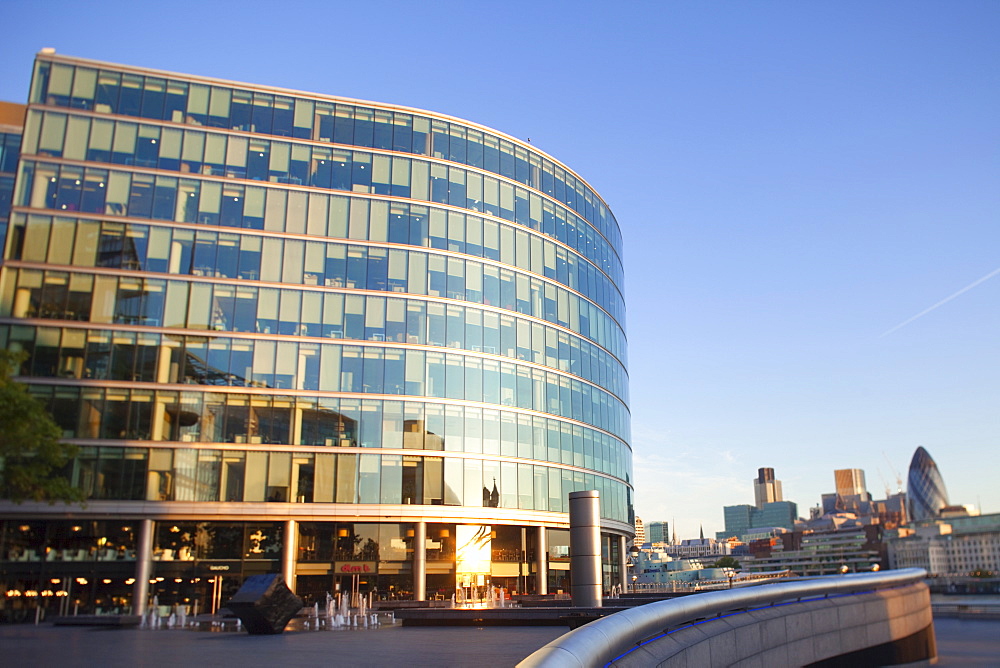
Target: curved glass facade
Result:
[[925, 488], [232, 295]]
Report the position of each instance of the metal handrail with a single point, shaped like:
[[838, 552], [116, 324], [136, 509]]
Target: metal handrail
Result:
[[606, 639]]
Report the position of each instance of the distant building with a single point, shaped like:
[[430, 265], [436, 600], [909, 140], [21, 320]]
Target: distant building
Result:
[[640, 531], [655, 566], [957, 546], [890, 512], [766, 489], [851, 482], [658, 532], [693, 548], [744, 519], [925, 487], [850, 550]]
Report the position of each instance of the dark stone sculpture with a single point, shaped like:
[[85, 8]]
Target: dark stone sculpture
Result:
[[264, 604]]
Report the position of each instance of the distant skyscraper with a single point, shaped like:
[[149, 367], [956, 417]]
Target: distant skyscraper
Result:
[[658, 532], [766, 489], [743, 519], [925, 487], [640, 531], [850, 482]]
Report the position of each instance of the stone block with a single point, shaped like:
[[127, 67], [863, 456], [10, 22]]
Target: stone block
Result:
[[751, 662], [699, 654], [776, 656], [678, 660], [652, 653], [834, 643], [748, 639], [639, 657], [692, 634], [798, 625], [723, 648], [878, 632], [876, 610], [852, 614], [773, 633], [825, 619], [800, 652]]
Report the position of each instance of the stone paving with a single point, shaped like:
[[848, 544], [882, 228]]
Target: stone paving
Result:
[[960, 643], [68, 647]]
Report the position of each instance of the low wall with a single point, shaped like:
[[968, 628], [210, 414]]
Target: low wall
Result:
[[850, 620], [882, 628]]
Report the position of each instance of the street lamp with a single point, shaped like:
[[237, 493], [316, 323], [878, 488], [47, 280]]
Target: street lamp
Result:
[[631, 563]]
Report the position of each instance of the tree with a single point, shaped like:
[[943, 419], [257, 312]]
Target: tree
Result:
[[726, 562], [31, 454]]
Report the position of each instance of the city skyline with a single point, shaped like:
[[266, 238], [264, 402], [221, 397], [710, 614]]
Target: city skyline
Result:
[[807, 195]]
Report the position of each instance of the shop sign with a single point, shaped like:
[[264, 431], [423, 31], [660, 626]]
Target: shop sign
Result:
[[352, 567], [209, 568]]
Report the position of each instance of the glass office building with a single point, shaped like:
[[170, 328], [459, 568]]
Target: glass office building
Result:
[[358, 344], [925, 488]]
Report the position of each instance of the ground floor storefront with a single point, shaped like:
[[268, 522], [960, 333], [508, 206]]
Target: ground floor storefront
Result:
[[105, 566]]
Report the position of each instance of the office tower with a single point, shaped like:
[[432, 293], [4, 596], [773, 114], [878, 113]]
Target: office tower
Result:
[[766, 489], [298, 333], [742, 520], [925, 488], [640, 531], [658, 532], [851, 482]]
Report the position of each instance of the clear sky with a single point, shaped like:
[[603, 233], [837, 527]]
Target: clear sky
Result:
[[793, 181]]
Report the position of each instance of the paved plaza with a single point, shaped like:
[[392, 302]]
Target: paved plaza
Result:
[[68, 647], [960, 643]]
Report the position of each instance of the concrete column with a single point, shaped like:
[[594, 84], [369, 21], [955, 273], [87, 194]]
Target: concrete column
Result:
[[420, 561], [288, 553], [585, 547], [22, 303], [623, 573], [296, 435], [163, 361], [541, 561], [143, 567]]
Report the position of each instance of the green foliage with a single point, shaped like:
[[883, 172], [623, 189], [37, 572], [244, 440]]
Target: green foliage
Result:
[[31, 455], [726, 562]]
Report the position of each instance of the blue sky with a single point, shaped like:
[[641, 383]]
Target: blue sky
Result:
[[793, 180]]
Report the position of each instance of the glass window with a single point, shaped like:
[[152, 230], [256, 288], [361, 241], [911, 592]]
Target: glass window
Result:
[[262, 113], [347, 478], [218, 107], [175, 101], [50, 142], [412, 479]]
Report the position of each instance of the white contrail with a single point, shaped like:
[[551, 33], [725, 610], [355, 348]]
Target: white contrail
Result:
[[942, 302]]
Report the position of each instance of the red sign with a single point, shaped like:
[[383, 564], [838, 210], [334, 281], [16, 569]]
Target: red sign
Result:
[[354, 567]]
